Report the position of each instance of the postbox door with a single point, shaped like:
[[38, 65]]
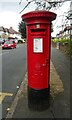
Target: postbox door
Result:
[[39, 65]]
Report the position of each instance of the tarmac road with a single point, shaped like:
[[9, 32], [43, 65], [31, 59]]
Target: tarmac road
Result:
[[13, 71]]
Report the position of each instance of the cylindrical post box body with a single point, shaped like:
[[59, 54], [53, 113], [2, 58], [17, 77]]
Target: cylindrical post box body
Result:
[[38, 26]]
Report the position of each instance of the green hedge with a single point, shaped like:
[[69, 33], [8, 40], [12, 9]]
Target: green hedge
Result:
[[69, 50], [60, 40]]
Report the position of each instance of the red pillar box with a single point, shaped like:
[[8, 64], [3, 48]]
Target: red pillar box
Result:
[[38, 26]]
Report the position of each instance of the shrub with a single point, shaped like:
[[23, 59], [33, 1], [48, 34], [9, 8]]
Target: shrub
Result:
[[69, 50], [64, 40]]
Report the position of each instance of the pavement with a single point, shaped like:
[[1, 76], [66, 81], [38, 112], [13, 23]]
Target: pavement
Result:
[[59, 93]]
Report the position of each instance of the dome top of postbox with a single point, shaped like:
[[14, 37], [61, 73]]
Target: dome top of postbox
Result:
[[40, 13]]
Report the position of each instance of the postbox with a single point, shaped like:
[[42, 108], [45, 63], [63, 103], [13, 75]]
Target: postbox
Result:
[[38, 31]]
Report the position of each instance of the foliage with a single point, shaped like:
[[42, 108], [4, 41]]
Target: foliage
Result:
[[61, 40], [69, 50], [64, 41], [22, 29]]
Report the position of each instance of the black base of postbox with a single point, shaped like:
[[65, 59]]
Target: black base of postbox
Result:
[[38, 99]]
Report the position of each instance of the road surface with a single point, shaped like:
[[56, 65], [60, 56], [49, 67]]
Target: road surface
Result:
[[13, 71]]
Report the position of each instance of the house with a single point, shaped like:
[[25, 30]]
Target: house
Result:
[[60, 35], [14, 34], [9, 33], [66, 33], [1, 31], [6, 33]]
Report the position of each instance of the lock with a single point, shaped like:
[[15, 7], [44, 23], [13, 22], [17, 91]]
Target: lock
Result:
[[46, 63]]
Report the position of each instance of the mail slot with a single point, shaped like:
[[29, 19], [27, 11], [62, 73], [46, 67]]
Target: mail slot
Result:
[[38, 30]]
